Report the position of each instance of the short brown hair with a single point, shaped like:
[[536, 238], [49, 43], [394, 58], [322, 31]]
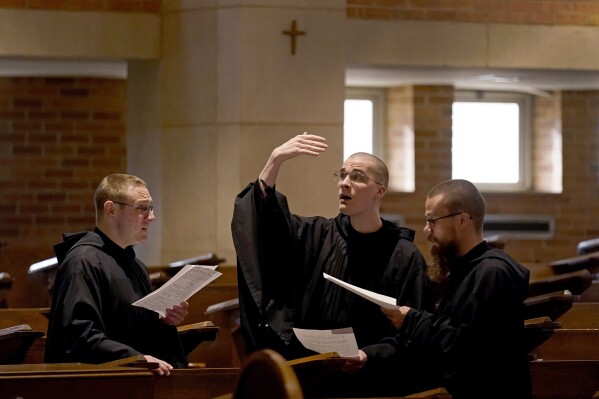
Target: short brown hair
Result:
[[115, 187]]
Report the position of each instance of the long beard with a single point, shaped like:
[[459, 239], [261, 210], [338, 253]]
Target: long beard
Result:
[[443, 256]]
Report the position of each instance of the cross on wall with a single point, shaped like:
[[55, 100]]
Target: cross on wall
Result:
[[293, 33]]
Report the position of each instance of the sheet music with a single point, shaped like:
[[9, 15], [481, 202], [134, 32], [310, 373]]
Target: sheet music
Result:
[[342, 341], [189, 280], [381, 300]]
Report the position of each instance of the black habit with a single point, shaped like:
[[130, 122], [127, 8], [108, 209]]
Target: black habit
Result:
[[92, 318], [281, 258]]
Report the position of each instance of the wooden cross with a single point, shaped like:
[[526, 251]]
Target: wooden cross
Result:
[[293, 34]]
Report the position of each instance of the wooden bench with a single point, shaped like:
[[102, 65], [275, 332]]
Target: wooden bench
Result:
[[570, 344], [15, 343], [581, 315], [192, 335], [564, 379], [537, 331], [589, 261], [552, 305], [6, 282], [75, 381], [575, 282]]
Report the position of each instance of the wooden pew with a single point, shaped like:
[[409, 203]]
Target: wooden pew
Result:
[[564, 379], [228, 349], [589, 261], [581, 315], [75, 381], [591, 294], [551, 305], [570, 344], [37, 319], [192, 335], [15, 343], [537, 331], [575, 282], [6, 282], [292, 379]]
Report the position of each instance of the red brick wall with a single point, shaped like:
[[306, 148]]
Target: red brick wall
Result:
[[58, 138], [546, 12], [149, 6]]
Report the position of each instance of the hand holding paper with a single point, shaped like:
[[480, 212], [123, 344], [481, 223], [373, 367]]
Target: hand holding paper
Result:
[[342, 341], [381, 300], [179, 288]]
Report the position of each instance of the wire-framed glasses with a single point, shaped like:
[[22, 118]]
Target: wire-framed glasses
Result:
[[142, 209], [432, 221], [355, 176]]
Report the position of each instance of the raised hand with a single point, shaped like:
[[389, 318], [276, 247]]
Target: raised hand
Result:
[[302, 144]]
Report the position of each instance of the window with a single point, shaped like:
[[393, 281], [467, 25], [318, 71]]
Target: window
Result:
[[363, 121], [490, 139]]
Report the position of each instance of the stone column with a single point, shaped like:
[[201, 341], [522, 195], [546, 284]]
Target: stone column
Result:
[[227, 90]]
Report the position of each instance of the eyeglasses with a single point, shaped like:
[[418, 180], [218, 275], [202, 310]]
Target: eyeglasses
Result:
[[355, 176], [142, 209], [432, 221]]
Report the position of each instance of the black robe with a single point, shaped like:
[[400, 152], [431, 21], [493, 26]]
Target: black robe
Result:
[[474, 344], [281, 258], [92, 318]]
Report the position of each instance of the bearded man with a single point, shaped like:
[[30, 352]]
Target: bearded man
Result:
[[473, 345]]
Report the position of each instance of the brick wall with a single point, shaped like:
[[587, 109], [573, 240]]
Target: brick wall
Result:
[[146, 6], [546, 12], [58, 138], [573, 115]]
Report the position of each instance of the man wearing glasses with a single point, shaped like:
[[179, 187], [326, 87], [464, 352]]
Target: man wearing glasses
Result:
[[282, 256], [92, 318], [474, 343]]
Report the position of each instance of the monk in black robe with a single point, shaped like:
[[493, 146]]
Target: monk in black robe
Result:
[[282, 256], [92, 318], [474, 344]]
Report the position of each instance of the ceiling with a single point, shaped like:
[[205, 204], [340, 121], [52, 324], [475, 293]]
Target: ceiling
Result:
[[532, 81]]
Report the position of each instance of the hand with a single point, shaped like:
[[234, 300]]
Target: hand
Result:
[[396, 315], [176, 315], [354, 364], [302, 144], [163, 367]]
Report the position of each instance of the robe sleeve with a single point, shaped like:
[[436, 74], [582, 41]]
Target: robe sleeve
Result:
[[263, 235]]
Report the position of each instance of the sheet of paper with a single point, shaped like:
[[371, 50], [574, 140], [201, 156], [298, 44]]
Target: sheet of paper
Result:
[[189, 280], [381, 300], [342, 341]]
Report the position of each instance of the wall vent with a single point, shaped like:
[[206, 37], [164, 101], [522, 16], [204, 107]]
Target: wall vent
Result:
[[520, 226]]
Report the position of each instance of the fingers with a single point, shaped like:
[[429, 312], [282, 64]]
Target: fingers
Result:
[[310, 144], [176, 315], [163, 367], [354, 365]]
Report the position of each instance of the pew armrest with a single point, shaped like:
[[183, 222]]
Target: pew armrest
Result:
[[138, 361], [192, 335]]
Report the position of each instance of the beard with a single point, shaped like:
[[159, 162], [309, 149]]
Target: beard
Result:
[[443, 255]]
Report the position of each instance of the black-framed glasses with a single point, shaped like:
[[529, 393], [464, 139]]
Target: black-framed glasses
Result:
[[432, 221], [355, 176], [142, 209]]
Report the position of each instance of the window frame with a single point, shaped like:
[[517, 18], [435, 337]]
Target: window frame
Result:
[[378, 96], [524, 102]]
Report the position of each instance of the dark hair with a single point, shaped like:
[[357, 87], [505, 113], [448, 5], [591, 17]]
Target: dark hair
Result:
[[461, 196]]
